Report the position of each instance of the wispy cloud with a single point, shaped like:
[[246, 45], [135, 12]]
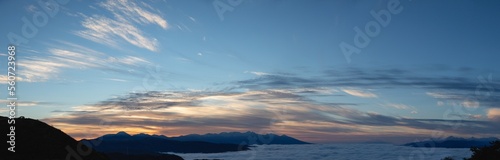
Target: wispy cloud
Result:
[[39, 70], [73, 56], [360, 93], [21, 103], [443, 88], [260, 73], [105, 30], [192, 19], [443, 95], [126, 10], [122, 26], [116, 79], [398, 106], [4, 79], [470, 103], [183, 27], [402, 107]]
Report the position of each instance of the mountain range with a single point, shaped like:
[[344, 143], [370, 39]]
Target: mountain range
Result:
[[38, 140], [192, 143], [249, 138], [147, 144]]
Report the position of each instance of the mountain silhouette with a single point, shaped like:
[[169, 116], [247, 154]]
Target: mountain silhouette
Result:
[[248, 138], [122, 142], [37, 140], [453, 142]]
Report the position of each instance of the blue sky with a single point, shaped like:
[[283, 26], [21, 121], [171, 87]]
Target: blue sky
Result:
[[177, 67]]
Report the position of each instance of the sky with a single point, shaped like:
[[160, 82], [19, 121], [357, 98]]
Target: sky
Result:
[[323, 71]]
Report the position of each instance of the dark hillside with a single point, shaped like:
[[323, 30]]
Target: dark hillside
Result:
[[37, 140]]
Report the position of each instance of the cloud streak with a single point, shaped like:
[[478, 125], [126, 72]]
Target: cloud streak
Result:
[[402, 107], [36, 69], [443, 87], [105, 30], [123, 26], [360, 93], [126, 10]]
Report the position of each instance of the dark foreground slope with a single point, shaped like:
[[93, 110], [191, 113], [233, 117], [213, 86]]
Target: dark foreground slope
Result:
[[37, 140]]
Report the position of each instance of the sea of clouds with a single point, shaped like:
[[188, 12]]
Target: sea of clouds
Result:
[[335, 152]]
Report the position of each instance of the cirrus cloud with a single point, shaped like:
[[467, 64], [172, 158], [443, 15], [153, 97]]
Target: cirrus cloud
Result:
[[360, 93], [73, 56], [123, 26]]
